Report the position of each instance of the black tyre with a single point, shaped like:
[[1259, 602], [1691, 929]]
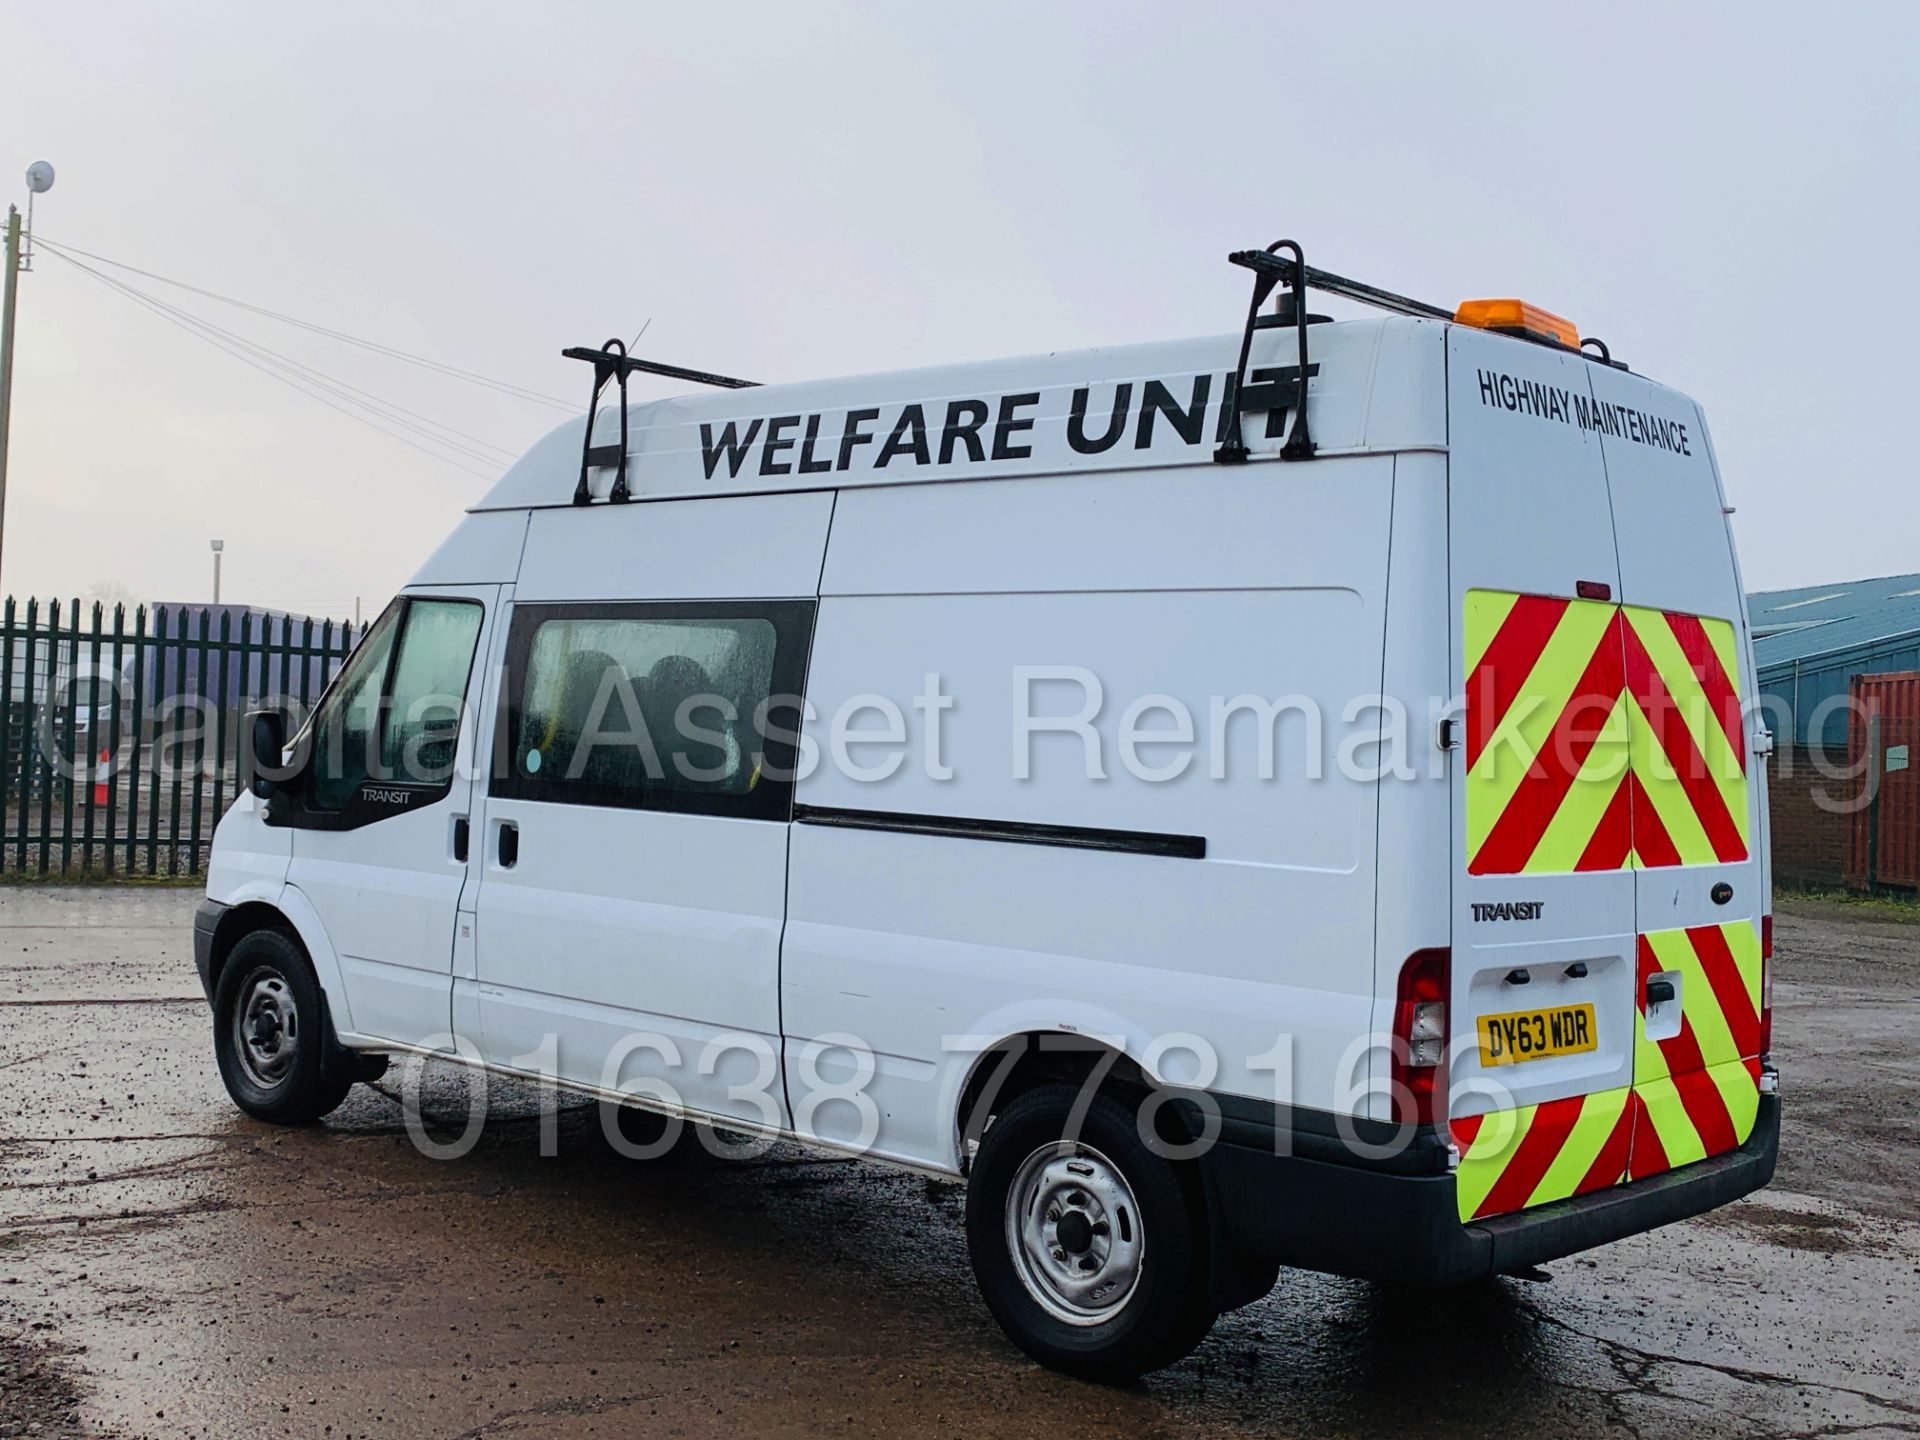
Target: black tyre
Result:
[[1092, 1254], [271, 1034]]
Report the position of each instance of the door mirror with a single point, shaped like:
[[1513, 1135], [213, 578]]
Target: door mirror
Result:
[[267, 730]]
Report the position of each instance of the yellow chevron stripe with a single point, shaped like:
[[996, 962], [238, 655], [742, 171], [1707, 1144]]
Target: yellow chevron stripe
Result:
[[1579, 815], [1676, 671], [1663, 789], [1698, 1001], [1671, 1123], [1737, 1087], [1726, 644], [1599, 1113], [1484, 612], [1486, 1158], [1529, 720]]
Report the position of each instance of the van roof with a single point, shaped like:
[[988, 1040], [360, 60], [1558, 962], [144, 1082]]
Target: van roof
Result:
[[1377, 385]]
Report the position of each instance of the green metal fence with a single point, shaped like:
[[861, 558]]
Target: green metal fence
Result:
[[120, 734]]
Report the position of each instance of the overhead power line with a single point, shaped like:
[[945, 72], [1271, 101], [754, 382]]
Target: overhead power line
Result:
[[312, 383], [505, 387]]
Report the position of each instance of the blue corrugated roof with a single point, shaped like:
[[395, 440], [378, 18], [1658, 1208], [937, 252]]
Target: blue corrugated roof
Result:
[[1834, 620]]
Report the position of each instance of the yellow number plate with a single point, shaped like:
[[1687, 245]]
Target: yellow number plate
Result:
[[1536, 1034]]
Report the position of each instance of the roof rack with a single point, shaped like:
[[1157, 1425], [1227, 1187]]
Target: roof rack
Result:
[[1288, 387], [611, 362]]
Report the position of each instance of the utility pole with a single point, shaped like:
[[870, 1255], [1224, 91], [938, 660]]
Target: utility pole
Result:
[[39, 181], [218, 546], [6, 357]]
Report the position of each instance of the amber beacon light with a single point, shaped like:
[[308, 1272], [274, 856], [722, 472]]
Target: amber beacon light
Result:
[[1517, 317]]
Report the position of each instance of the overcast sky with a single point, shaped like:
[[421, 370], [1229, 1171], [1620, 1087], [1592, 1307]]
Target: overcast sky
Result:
[[1726, 194]]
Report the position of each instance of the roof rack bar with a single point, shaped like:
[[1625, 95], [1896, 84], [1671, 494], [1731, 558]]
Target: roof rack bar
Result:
[[1283, 269], [627, 364]]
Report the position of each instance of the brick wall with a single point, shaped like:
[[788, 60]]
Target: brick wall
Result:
[[1809, 839]]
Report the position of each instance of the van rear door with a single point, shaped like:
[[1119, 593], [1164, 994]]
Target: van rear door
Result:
[[1697, 826], [1542, 994]]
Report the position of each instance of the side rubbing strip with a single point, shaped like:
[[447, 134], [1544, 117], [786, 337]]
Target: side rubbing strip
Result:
[[1014, 832]]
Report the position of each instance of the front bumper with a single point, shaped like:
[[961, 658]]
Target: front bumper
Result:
[[206, 920], [1346, 1219]]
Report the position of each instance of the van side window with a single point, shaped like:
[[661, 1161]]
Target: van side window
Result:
[[688, 707], [395, 716]]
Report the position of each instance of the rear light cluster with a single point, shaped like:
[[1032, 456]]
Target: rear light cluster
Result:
[[1420, 1037], [1766, 985]]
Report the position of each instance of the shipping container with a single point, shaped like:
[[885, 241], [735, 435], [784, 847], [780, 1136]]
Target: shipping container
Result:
[[1883, 847]]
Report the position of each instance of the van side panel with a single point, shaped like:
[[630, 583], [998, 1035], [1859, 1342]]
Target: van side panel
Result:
[[1131, 595], [762, 546]]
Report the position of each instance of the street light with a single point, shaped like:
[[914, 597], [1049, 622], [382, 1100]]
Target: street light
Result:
[[218, 546], [39, 181]]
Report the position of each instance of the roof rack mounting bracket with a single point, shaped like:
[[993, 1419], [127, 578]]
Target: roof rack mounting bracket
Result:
[[1270, 269], [611, 362]]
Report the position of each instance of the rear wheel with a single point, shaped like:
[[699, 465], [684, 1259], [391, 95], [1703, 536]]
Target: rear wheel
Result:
[[270, 1033], [1091, 1252]]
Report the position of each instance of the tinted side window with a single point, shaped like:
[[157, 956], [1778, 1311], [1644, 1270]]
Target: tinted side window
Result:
[[347, 725], [394, 715], [689, 707]]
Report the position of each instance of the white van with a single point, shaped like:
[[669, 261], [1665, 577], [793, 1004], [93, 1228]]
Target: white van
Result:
[[1229, 837]]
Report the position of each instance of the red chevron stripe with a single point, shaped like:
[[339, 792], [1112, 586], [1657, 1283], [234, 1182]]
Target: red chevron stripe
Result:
[[1528, 1165], [1669, 727], [1729, 987], [1502, 672], [1464, 1128], [1722, 699], [1651, 842], [1706, 1109], [1552, 774], [1613, 836], [1611, 1163], [1647, 1156]]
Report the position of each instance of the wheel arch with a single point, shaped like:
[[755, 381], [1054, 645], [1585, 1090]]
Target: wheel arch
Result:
[[289, 911]]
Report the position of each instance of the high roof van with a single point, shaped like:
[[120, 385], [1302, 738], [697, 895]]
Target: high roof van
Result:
[[1288, 798]]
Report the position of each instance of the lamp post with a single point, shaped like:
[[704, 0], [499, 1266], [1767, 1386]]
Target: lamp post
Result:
[[39, 181], [218, 546]]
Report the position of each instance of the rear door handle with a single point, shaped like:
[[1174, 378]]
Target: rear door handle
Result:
[[509, 844], [1659, 992]]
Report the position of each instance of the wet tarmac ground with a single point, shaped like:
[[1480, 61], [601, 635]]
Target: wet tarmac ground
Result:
[[170, 1268]]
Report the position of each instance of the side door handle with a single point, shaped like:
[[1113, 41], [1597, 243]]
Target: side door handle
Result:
[[509, 844], [461, 833]]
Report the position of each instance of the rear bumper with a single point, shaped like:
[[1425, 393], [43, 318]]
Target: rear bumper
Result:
[[1349, 1220]]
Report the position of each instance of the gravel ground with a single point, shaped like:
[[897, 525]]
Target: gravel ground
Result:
[[168, 1268]]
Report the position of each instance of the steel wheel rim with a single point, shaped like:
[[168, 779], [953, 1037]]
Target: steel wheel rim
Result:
[[266, 1028], [1073, 1229]]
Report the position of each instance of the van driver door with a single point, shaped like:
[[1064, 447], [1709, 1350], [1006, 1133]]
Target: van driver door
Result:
[[381, 809]]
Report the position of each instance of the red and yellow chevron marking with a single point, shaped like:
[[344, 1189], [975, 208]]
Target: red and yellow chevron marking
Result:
[[1599, 736], [1696, 1093], [1513, 1159]]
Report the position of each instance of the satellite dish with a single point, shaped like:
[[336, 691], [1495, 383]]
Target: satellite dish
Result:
[[39, 177]]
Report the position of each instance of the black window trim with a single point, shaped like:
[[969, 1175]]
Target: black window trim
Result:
[[293, 807], [771, 800]]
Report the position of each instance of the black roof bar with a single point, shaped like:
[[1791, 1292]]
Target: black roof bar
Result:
[[611, 362]]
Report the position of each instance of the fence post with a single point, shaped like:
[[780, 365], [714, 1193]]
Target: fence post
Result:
[[153, 742], [113, 734]]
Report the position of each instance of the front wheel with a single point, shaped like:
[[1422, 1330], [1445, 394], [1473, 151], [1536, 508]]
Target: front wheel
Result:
[[1090, 1251], [270, 1033]]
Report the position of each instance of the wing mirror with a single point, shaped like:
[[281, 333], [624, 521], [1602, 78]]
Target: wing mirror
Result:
[[267, 731]]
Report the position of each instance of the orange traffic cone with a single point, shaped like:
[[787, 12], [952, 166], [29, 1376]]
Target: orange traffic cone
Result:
[[100, 779]]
